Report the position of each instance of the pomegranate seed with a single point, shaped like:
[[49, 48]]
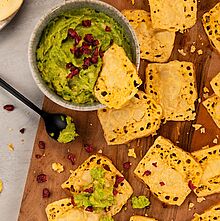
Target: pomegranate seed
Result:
[[76, 51], [72, 201], [87, 51], [89, 148], [107, 29], [85, 45], [86, 63], [77, 40], [46, 193], [95, 43], [89, 190], [72, 33], [115, 192], [162, 183], [96, 52], [69, 65], [94, 59], [22, 130], [147, 173], [89, 38], [126, 165], [74, 72], [89, 209], [38, 156], [9, 107], [118, 180], [101, 53], [154, 164], [41, 144], [191, 186], [72, 158], [86, 23], [41, 178]]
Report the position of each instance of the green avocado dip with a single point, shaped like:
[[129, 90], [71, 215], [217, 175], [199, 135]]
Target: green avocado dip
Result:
[[70, 51], [69, 133], [140, 202]]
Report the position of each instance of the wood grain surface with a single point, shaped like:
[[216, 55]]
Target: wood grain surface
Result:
[[182, 133]]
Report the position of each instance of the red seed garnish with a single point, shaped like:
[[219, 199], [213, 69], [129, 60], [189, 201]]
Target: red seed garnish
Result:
[[101, 53], [22, 130], [38, 156], [118, 180], [96, 52], [86, 23], [89, 190], [72, 201], [107, 28], [41, 144], [85, 45], [46, 193], [89, 209], [94, 59], [191, 186], [89, 38], [74, 72], [9, 107], [89, 148], [77, 40], [126, 165], [95, 43], [69, 65], [162, 183], [115, 192], [72, 158], [86, 63], [154, 164], [41, 178], [147, 173], [86, 51], [72, 33]]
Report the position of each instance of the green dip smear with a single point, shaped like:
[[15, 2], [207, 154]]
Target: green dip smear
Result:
[[69, 133], [53, 52], [106, 218], [140, 202]]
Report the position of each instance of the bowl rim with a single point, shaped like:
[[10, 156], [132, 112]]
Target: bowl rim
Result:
[[39, 27]]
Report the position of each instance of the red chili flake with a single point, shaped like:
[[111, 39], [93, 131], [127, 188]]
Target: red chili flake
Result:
[[162, 183], [101, 53], [38, 156], [147, 173], [89, 190], [191, 186], [126, 165], [76, 51], [69, 65], [154, 164], [89, 38], [22, 130], [107, 29], [94, 59], [41, 144], [9, 107], [72, 158], [89, 148], [72, 201], [72, 33], [118, 180], [86, 23], [115, 192], [89, 209], [41, 178], [95, 43], [46, 193]]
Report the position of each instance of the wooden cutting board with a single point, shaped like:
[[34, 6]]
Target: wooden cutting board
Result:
[[182, 133]]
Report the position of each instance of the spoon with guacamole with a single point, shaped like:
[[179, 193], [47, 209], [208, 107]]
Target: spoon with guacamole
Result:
[[58, 126]]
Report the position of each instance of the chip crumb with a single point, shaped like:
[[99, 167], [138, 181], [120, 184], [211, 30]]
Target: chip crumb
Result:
[[131, 153], [205, 147], [192, 49], [215, 141], [57, 167], [90, 124], [199, 100], [1, 185], [11, 147], [191, 205], [177, 141], [202, 130], [205, 95], [99, 151], [125, 208], [200, 52], [197, 126], [145, 214], [205, 90], [133, 2], [181, 51], [200, 199]]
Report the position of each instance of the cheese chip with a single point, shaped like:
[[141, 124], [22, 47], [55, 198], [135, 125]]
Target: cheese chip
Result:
[[212, 105], [215, 83], [140, 117], [212, 214], [141, 218], [156, 45], [170, 172], [209, 159], [173, 86], [118, 80], [211, 21], [173, 15]]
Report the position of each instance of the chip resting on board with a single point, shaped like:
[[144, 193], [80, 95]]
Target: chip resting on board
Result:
[[97, 178], [173, 15], [209, 159], [212, 105], [212, 214], [140, 117], [156, 45], [170, 172], [141, 218], [118, 80], [215, 83], [211, 22], [173, 86]]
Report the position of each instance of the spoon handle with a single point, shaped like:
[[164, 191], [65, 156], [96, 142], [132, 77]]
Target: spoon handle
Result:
[[19, 96]]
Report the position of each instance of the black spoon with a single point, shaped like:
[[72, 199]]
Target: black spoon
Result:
[[54, 123]]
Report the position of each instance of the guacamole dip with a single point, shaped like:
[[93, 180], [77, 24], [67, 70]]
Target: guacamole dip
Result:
[[140, 202], [69, 54]]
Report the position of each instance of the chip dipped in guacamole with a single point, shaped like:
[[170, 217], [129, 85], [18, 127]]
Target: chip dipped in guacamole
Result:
[[70, 51]]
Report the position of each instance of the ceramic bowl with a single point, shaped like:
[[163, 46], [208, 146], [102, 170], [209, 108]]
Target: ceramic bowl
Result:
[[70, 5]]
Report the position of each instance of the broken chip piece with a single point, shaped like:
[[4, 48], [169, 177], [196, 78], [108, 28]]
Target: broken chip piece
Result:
[[215, 83]]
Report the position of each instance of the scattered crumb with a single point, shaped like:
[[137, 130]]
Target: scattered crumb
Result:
[[202, 130], [44, 155], [177, 141], [197, 126], [205, 95], [199, 100], [205, 147], [133, 2], [181, 51], [138, 142], [191, 205], [205, 90], [200, 52], [187, 133], [125, 208], [1, 185], [193, 49], [90, 124], [145, 214], [217, 136], [57, 167], [11, 147], [200, 199], [99, 151], [215, 141], [131, 153]]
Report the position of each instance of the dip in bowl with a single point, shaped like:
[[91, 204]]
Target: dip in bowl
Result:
[[67, 47]]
